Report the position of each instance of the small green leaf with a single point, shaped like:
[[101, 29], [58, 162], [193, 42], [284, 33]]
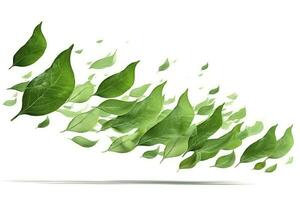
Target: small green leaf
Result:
[[206, 102], [169, 101], [27, 76], [32, 50], [232, 96], [238, 115], [126, 143], [151, 154], [51, 89], [164, 66], [290, 160], [260, 165], [10, 102], [99, 41], [252, 130], [283, 145], [105, 62], [116, 107], [68, 113], [82, 93], [204, 67], [117, 84], [84, 122], [214, 90], [262, 148], [79, 51], [90, 78], [225, 161], [206, 110], [139, 91], [82, 141], [271, 168], [20, 87], [191, 161], [44, 123]]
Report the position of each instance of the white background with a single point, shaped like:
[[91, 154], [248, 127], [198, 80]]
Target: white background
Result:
[[252, 48]]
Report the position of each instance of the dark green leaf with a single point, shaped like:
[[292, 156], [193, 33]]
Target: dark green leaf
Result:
[[44, 123], [82, 141], [139, 91], [271, 168], [151, 154], [51, 89], [204, 67], [117, 107], [99, 41], [214, 90], [20, 86], [225, 161], [117, 84], [105, 62], [164, 66], [32, 50], [283, 145]]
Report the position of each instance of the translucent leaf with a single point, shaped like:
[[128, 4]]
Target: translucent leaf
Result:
[[105, 62], [84, 142]]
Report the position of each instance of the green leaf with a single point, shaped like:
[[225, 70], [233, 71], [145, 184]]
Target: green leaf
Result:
[[79, 51], [142, 115], [238, 115], [151, 154], [44, 123], [82, 93], [117, 84], [262, 148], [206, 110], [206, 129], [102, 121], [260, 165], [84, 122], [232, 96], [214, 90], [225, 161], [172, 130], [99, 41], [271, 168], [10, 102], [90, 78], [206, 102], [51, 89], [20, 87], [252, 130], [283, 145], [126, 143], [117, 107], [139, 91], [27, 76], [105, 62], [68, 113], [290, 160], [169, 101], [204, 67], [82, 141], [164, 66], [32, 50], [196, 157]]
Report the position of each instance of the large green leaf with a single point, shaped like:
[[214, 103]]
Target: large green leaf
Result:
[[118, 83], [283, 145], [262, 148], [142, 115], [117, 107], [32, 50], [51, 89]]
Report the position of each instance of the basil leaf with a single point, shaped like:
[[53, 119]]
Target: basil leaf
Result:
[[117, 107], [44, 123], [204, 67], [214, 90], [27, 76], [238, 115], [283, 145], [84, 122], [172, 130], [260, 165], [51, 89], [151, 154], [271, 168], [105, 62], [32, 50], [142, 115], [82, 141], [263, 147], [206, 129], [164, 66], [225, 161], [117, 84], [20, 87], [10, 102], [82, 93], [139, 91]]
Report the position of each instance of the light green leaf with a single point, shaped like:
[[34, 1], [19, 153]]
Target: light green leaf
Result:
[[90, 78], [260, 165], [252, 130], [68, 113], [116, 107], [151, 154], [238, 115], [32, 50], [206, 110], [105, 62], [126, 143], [82, 141], [206, 102], [79, 51], [164, 66], [169, 101], [139, 91], [142, 115], [290, 160], [214, 90], [204, 67], [225, 161], [10, 102], [20, 87], [283, 145], [271, 168], [206, 129], [117, 84], [232, 96], [82, 93], [44, 123], [84, 122], [27, 76], [262, 148], [51, 89]]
